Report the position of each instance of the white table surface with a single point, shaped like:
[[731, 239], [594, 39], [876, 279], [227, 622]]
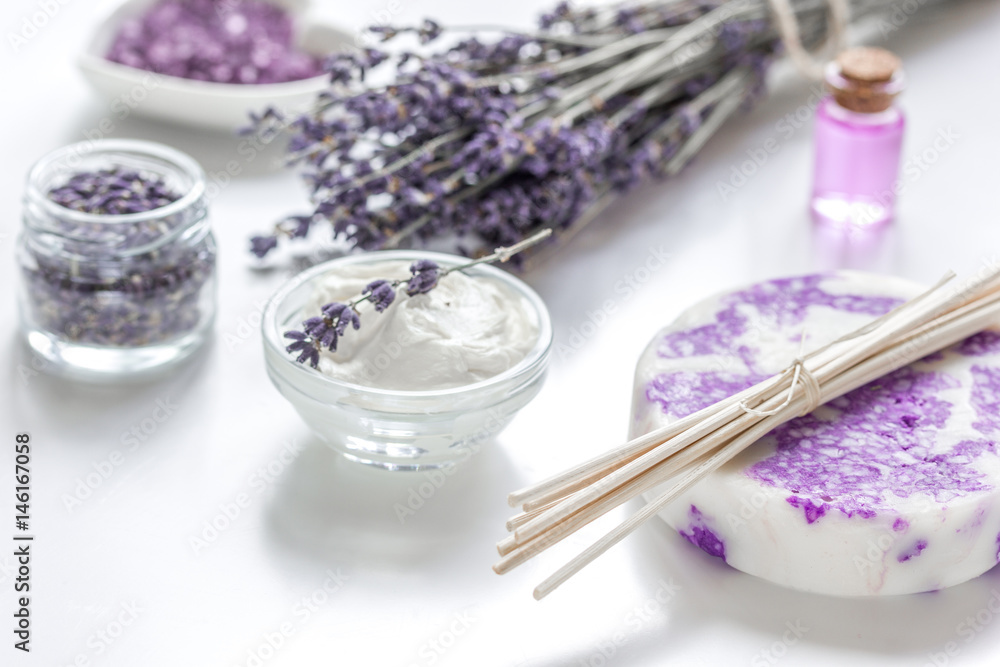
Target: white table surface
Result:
[[422, 592]]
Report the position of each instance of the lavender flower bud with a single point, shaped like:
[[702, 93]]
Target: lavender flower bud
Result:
[[429, 31], [382, 294], [261, 245], [304, 345], [332, 311], [310, 354], [348, 316], [425, 277], [472, 142], [315, 327]]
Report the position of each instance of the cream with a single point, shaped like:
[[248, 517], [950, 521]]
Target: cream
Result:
[[467, 329]]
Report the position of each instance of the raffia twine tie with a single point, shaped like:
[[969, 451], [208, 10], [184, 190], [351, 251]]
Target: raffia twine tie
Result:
[[814, 393], [807, 63]]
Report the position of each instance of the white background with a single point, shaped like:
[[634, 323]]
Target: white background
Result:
[[427, 582]]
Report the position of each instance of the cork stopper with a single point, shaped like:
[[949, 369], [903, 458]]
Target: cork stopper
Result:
[[865, 79]]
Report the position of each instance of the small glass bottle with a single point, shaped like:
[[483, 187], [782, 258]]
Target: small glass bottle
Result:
[[117, 259], [859, 137]]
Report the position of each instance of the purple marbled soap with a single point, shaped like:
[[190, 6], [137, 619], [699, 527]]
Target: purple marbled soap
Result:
[[702, 537], [844, 499]]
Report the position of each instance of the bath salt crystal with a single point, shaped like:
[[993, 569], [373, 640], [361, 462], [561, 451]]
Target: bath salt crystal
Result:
[[225, 41]]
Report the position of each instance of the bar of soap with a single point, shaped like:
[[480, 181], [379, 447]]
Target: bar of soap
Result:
[[890, 489]]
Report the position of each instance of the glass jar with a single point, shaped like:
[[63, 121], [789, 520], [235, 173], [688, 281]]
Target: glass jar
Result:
[[859, 139], [103, 294]]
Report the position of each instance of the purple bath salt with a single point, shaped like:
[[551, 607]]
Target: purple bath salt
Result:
[[843, 500], [225, 41]]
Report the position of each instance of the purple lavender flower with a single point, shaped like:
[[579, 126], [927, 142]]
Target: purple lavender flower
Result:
[[340, 315], [261, 245], [488, 140], [429, 31], [382, 294], [113, 192], [304, 345], [425, 277], [324, 330]]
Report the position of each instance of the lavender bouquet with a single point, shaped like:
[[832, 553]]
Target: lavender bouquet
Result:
[[494, 136]]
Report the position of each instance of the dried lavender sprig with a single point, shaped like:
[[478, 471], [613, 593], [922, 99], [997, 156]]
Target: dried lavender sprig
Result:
[[324, 331], [378, 223], [494, 140]]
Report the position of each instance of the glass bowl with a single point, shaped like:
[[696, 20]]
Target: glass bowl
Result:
[[392, 429]]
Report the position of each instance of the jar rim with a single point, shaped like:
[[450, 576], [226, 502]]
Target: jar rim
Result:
[[137, 146], [834, 78], [536, 356]]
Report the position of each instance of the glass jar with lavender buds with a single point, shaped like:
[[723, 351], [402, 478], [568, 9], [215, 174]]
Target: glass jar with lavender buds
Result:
[[117, 259]]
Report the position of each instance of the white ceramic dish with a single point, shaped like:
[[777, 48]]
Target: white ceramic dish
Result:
[[222, 106]]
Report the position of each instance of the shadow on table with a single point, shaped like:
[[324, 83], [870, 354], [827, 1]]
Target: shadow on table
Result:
[[83, 407], [899, 626], [711, 595], [337, 512]]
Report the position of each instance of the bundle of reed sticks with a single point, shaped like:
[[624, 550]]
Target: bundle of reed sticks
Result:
[[683, 452]]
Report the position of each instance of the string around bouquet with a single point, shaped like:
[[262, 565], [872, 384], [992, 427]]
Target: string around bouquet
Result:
[[788, 26]]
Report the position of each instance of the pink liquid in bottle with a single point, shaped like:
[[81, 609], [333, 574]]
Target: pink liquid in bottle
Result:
[[859, 138]]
